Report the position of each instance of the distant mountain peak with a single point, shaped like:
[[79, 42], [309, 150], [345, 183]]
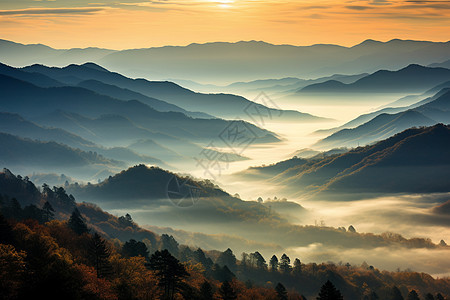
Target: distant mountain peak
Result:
[[94, 66]]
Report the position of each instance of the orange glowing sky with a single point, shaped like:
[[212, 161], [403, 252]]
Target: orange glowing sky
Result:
[[139, 24]]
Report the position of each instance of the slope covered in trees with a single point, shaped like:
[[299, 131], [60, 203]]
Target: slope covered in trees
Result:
[[68, 255]]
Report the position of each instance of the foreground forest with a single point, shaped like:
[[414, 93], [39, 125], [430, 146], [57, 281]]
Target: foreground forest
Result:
[[49, 245]]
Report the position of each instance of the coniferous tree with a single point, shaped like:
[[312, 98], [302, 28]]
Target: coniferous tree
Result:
[[273, 263], [170, 244], [77, 223], [48, 212], [227, 258], [285, 264], [413, 295], [281, 291], [206, 291], [227, 292], [297, 269], [169, 271], [329, 292], [99, 254], [439, 296]]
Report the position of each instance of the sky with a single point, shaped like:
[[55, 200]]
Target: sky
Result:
[[126, 24]]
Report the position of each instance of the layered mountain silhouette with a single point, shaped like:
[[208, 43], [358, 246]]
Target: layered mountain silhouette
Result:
[[416, 160], [241, 61], [434, 110], [413, 78], [25, 154], [220, 105], [33, 102]]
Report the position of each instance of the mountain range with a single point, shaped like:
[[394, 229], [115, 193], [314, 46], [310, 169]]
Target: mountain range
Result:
[[413, 161], [411, 79], [388, 122], [240, 61]]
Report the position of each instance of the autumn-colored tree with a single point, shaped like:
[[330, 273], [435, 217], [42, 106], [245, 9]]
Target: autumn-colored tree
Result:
[[94, 287], [12, 269]]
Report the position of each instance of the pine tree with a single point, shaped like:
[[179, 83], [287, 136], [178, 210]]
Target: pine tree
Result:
[[99, 254], [274, 263], [329, 292], [227, 292], [285, 264], [48, 212], [169, 271], [77, 223], [281, 291], [227, 258]]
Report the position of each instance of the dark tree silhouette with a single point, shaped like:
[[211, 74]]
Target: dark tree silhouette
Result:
[[413, 295], [273, 263], [297, 269], [285, 264], [329, 292], [258, 261], [169, 271], [227, 258], [99, 254], [281, 291], [6, 231], [77, 223], [134, 248], [206, 291], [396, 294], [169, 243], [439, 296], [48, 212], [227, 292], [429, 297]]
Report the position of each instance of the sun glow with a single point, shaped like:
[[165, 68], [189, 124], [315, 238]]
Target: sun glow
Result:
[[224, 3]]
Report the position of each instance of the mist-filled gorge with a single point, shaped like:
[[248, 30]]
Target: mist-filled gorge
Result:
[[224, 169]]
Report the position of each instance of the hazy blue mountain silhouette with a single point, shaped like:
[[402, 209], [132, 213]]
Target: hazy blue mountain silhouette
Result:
[[20, 152], [414, 161], [221, 105], [413, 78], [434, 110], [444, 64], [240, 61], [34, 78], [412, 101], [32, 101], [125, 94], [14, 124]]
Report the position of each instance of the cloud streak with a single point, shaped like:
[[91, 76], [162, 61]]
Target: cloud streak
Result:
[[50, 11]]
